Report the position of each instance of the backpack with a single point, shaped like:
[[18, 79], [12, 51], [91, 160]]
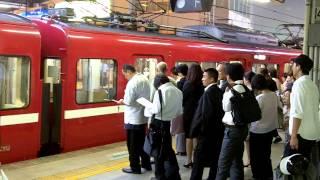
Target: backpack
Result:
[[245, 108]]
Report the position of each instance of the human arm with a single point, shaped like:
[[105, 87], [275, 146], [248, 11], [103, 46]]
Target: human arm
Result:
[[294, 134]]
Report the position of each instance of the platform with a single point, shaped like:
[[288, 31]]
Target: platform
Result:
[[97, 163]]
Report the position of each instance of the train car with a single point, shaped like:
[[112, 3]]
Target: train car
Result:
[[81, 75], [20, 88]]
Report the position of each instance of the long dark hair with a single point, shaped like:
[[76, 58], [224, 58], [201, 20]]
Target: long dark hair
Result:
[[194, 75]]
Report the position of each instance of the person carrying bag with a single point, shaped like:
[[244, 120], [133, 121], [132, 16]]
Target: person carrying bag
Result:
[[166, 105]]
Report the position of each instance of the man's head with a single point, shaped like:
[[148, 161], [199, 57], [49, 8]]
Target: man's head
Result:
[[209, 76], [128, 71], [301, 65], [234, 72], [159, 80], [182, 70], [221, 68], [162, 67]]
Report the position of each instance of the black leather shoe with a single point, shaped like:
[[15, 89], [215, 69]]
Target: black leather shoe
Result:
[[130, 171]]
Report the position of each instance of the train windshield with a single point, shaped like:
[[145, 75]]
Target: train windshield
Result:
[[14, 82]]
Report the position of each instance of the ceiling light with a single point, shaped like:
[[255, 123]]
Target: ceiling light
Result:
[[262, 1]]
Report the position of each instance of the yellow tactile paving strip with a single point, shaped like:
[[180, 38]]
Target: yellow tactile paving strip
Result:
[[86, 172]]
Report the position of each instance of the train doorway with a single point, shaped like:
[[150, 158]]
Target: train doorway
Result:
[[51, 108]]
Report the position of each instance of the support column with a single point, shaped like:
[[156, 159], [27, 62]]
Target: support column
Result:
[[311, 43]]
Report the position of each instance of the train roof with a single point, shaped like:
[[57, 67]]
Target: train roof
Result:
[[8, 17], [90, 28]]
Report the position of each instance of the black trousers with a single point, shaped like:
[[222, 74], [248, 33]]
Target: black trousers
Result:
[[260, 152], [135, 141], [166, 164], [304, 148]]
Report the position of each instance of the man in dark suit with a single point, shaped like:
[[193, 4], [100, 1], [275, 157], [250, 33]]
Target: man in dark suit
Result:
[[207, 127]]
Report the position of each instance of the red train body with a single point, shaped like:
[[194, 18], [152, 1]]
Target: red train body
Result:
[[75, 72]]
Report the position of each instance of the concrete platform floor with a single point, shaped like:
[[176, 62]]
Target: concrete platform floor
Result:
[[98, 163]]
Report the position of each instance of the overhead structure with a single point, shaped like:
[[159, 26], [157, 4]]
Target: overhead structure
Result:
[[311, 36]]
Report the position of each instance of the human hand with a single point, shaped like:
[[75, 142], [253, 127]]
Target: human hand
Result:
[[120, 101], [294, 142]]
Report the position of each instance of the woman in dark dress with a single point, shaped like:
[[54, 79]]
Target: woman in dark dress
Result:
[[192, 91]]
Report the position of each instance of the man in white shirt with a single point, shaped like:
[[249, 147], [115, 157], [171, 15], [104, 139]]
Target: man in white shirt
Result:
[[304, 123], [134, 120]]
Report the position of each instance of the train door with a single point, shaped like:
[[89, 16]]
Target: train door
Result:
[[51, 107]]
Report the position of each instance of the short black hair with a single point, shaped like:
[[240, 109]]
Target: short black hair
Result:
[[183, 69], [174, 71], [249, 75], [259, 82], [273, 73], [213, 73], [159, 80], [305, 63], [235, 71], [128, 67]]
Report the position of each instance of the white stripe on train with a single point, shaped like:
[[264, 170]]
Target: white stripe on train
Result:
[[68, 114]]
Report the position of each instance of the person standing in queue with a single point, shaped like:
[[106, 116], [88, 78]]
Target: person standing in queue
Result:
[[230, 159], [166, 105], [192, 91], [134, 119], [207, 127]]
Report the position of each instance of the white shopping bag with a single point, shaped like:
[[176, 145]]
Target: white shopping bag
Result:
[[3, 175]]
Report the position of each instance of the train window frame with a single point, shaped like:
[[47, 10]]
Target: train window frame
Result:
[[115, 82], [28, 87]]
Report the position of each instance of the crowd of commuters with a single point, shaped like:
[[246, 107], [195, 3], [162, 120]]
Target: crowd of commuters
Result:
[[211, 138]]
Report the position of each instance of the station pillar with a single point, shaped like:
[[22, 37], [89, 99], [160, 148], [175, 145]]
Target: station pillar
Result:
[[311, 43]]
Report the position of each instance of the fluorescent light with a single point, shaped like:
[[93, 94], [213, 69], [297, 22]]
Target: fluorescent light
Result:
[[262, 1], [260, 57]]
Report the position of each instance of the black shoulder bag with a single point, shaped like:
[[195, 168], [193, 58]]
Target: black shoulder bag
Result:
[[152, 134]]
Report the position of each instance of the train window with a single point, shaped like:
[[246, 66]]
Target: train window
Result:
[[287, 67], [188, 63], [206, 65], [14, 82], [52, 71], [257, 67], [96, 80], [147, 66]]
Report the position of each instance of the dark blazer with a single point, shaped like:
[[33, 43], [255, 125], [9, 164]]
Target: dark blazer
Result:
[[207, 126], [191, 96]]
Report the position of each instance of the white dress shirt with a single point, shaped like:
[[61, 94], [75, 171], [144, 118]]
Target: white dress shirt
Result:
[[269, 103], [226, 104], [137, 87], [304, 102], [171, 103]]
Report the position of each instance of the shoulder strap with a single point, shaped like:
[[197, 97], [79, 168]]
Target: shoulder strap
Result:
[[161, 101]]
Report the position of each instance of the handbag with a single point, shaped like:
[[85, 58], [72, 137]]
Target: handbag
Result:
[[150, 141]]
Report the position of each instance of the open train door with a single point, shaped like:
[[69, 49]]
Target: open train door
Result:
[[51, 107]]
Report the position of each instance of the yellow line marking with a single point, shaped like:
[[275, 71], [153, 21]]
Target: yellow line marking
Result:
[[86, 172]]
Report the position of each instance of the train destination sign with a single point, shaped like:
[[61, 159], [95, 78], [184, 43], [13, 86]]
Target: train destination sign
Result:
[[185, 6]]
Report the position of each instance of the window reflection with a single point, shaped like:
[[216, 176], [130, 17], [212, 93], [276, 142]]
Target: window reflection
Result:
[[96, 80], [14, 82], [147, 66]]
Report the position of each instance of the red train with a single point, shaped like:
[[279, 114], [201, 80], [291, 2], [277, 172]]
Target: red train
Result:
[[57, 79]]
